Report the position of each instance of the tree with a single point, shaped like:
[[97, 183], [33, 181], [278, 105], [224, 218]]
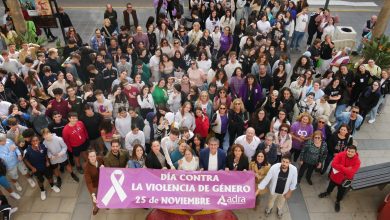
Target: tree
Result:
[[383, 20], [17, 15]]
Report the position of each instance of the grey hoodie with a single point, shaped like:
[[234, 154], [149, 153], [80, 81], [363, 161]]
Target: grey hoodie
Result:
[[56, 149]]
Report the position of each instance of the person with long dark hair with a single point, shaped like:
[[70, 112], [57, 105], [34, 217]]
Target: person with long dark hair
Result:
[[250, 93], [338, 142], [369, 99], [236, 159]]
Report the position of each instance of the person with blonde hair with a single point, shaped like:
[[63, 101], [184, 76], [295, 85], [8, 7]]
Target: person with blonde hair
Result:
[[108, 30], [238, 119], [301, 131], [189, 161]]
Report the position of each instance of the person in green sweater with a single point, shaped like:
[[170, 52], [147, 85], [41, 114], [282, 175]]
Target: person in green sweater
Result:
[[312, 156], [160, 95], [142, 69]]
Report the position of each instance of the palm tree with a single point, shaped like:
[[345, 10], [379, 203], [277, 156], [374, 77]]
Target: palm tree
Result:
[[383, 20], [17, 15]]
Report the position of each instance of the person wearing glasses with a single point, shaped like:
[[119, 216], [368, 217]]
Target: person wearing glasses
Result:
[[312, 156], [353, 119], [219, 123], [301, 131], [283, 140]]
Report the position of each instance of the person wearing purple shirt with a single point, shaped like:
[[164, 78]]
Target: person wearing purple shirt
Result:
[[236, 82], [250, 93], [301, 131], [226, 41]]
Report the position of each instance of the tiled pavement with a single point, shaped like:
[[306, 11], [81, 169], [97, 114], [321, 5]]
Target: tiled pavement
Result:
[[74, 201]]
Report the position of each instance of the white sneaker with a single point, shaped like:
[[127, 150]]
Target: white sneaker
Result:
[[18, 187], [55, 189], [31, 182], [13, 210], [43, 195], [15, 195], [371, 121]]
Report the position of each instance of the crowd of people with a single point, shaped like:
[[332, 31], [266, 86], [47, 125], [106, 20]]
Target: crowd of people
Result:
[[217, 90]]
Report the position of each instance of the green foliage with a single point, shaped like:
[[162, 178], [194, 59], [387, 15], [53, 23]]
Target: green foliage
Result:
[[29, 38], [379, 51]]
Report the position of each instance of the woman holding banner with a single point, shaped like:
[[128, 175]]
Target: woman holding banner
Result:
[[138, 157], [156, 159], [260, 166], [91, 176], [236, 160], [189, 162]]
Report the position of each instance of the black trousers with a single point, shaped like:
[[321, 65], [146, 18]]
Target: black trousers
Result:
[[328, 159], [305, 166], [5, 208], [295, 153], [311, 32], [340, 190]]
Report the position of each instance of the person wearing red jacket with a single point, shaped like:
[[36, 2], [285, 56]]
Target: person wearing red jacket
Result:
[[202, 123], [344, 166], [75, 136]]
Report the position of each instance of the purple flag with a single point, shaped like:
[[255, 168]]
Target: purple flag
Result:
[[175, 189]]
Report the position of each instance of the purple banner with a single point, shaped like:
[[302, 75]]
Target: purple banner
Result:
[[175, 189]]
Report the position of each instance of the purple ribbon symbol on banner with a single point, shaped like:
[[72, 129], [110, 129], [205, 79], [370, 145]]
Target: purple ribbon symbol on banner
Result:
[[116, 187]]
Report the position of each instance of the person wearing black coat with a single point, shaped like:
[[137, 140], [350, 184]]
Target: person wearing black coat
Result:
[[156, 158], [7, 94], [64, 17], [369, 99], [312, 26], [269, 148], [15, 83], [236, 160], [360, 82]]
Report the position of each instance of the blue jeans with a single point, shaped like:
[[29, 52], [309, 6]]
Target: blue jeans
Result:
[[374, 110], [296, 39], [339, 109]]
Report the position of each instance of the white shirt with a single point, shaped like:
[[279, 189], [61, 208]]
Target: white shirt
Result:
[[131, 139], [301, 23], [263, 26], [213, 162], [168, 146], [249, 148], [193, 165], [4, 106]]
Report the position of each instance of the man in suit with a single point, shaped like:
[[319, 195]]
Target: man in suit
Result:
[[212, 158], [131, 22]]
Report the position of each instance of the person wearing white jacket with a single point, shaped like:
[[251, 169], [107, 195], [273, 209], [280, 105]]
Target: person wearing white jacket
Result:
[[282, 181], [56, 152], [135, 136], [123, 124], [185, 117]]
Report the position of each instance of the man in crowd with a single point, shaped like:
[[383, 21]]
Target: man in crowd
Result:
[[116, 157], [75, 136], [282, 181], [212, 158], [249, 141], [344, 167]]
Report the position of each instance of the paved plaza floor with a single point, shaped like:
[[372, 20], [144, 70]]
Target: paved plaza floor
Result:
[[73, 202]]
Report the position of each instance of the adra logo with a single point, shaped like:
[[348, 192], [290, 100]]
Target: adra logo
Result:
[[222, 201]]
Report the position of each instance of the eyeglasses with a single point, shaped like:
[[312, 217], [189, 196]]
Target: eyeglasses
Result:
[[222, 108], [222, 92], [317, 137], [237, 103], [356, 112], [322, 122], [176, 43]]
